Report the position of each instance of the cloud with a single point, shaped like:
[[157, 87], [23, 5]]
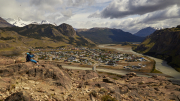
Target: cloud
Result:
[[166, 18], [123, 8], [38, 10], [45, 2], [162, 18], [76, 3], [128, 15]]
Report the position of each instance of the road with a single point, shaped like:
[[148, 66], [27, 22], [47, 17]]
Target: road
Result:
[[119, 72], [161, 65]]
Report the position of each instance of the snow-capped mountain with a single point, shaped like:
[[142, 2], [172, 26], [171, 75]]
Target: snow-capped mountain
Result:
[[21, 23], [18, 22]]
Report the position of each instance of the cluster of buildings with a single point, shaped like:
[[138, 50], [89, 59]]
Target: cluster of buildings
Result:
[[86, 56]]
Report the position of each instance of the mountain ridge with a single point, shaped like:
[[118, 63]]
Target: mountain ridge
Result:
[[145, 31], [108, 35], [4, 23], [21, 23], [41, 36]]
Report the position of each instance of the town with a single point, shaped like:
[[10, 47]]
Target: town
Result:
[[87, 57]]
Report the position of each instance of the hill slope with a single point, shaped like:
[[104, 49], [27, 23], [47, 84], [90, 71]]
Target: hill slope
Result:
[[4, 23], [40, 36], [164, 44], [145, 32], [106, 35]]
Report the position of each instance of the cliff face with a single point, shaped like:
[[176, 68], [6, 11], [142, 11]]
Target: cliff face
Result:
[[164, 44], [67, 30], [4, 23]]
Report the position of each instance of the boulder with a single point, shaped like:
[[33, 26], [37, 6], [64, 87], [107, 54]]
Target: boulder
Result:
[[19, 96]]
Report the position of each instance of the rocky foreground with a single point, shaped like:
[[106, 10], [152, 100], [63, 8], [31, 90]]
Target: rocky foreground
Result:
[[51, 82]]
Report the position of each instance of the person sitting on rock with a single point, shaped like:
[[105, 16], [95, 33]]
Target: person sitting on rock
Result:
[[28, 58]]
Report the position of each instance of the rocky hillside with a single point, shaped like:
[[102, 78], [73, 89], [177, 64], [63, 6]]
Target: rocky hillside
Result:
[[51, 82], [4, 23], [107, 35], [145, 32], [40, 36], [164, 44]]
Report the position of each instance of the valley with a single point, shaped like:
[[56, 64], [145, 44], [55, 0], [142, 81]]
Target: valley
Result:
[[97, 64], [66, 80], [97, 58]]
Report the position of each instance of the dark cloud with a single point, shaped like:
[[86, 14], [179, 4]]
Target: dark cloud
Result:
[[168, 17], [123, 8]]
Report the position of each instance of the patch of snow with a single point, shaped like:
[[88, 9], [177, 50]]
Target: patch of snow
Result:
[[21, 23]]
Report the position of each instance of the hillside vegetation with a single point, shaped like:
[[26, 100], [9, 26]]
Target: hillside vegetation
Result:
[[40, 36], [164, 44]]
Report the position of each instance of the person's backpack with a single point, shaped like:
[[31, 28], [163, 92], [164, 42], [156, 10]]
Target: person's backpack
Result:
[[28, 58]]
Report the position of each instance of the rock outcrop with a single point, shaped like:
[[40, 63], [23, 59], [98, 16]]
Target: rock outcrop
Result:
[[67, 30], [50, 81]]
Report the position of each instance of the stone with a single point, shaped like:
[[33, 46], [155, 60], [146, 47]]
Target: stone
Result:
[[173, 97], [124, 90], [37, 83], [157, 89], [107, 80], [26, 88], [19, 96], [32, 81]]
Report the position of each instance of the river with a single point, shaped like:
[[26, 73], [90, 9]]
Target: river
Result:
[[161, 65]]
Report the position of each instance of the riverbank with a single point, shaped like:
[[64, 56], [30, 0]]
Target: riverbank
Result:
[[161, 65]]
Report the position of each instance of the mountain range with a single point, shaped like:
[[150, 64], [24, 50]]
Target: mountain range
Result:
[[21, 23], [108, 35], [40, 36], [145, 32], [164, 44]]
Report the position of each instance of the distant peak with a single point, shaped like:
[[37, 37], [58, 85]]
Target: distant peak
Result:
[[45, 22]]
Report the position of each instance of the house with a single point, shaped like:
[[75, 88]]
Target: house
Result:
[[121, 58], [111, 63], [71, 58], [136, 67]]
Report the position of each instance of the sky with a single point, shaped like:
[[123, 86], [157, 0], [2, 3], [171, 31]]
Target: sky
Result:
[[128, 15]]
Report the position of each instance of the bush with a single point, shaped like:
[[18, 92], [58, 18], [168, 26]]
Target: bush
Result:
[[108, 98], [11, 53]]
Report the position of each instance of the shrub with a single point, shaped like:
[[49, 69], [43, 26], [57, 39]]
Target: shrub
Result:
[[108, 98]]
